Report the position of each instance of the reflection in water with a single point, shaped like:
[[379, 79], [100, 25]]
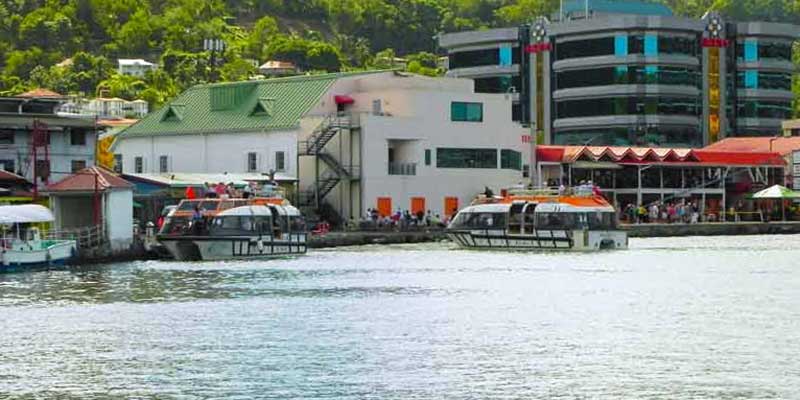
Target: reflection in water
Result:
[[671, 318]]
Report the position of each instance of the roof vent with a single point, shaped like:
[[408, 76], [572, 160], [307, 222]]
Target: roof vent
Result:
[[230, 96], [174, 113], [264, 107]]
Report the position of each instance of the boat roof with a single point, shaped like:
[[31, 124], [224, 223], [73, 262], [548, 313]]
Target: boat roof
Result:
[[25, 214], [255, 211], [545, 204]]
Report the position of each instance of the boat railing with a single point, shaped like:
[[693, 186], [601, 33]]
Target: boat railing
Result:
[[89, 237], [578, 191]]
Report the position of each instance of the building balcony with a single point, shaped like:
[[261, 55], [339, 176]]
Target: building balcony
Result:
[[402, 168]]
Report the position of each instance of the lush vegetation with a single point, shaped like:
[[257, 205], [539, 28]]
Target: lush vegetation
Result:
[[317, 35]]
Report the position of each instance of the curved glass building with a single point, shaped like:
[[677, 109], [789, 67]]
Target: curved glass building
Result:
[[633, 74]]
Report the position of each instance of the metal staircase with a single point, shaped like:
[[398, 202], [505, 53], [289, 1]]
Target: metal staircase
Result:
[[312, 199]]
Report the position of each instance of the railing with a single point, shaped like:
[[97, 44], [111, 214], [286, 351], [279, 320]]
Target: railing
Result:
[[398, 168], [87, 237]]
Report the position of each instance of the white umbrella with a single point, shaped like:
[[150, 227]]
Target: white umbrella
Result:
[[778, 192]]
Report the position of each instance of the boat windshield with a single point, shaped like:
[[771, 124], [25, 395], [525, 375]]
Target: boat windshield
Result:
[[297, 224], [595, 221], [175, 225], [240, 225], [482, 220]]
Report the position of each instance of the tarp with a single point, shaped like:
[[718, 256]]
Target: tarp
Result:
[[25, 213], [777, 192]]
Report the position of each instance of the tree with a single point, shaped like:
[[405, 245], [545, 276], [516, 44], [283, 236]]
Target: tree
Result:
[[263, 31], [122, 86], [237, 70]]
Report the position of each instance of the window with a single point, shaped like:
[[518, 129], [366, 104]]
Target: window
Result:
[[280, 161], [510, 159], [466, 158], [118, 163], [466, 112], [163, 164], [587, 48], [377, 109], [689, 106], [42, 168], [138, 165], [475, 58], [6, 137], [765, 109], [752, 79], [663, 136], [498, 84], [77, 137], [7, 165], [252, 162], [77, 165], [427, 156], [634, 74]]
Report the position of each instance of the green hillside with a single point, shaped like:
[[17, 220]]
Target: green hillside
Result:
[[318, 35]]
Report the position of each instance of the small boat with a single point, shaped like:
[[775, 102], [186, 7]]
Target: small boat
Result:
[[22, 245], [534, 220], [253, 228]]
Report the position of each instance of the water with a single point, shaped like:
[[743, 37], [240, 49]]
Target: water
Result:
[[684, 318]]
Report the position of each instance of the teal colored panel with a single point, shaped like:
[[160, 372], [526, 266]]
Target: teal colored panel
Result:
[[751, 79], [621, 45], [650, 45], [750, 50], [505, 56]]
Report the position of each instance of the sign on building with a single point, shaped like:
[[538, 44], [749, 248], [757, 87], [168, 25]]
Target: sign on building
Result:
[[796, 169]]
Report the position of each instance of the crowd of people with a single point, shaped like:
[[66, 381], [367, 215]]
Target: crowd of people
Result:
[[399, 220], [225, 191], [658, 212]]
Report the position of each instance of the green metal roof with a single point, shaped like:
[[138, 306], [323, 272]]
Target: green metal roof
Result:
[[261, 105], [618, 7]]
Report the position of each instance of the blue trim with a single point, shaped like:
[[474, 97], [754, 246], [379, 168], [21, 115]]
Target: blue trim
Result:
[[621, 45], [24, 267]]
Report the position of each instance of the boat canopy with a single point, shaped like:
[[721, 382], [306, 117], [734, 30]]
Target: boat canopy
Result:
[[255, 211], [25, 214]]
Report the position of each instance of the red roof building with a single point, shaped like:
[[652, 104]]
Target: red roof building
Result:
[[84, 181], [647, 155], [783, 145], [40, 93]]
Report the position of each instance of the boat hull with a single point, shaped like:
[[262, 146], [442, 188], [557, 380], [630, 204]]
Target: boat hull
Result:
[[52, 256], [209, 248], [540, 240]]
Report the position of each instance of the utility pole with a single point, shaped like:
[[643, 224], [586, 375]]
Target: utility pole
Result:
[[214, 46]]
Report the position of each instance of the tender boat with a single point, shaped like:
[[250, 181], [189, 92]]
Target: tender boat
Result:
[[252, 228], [22, 245], [544, 219]]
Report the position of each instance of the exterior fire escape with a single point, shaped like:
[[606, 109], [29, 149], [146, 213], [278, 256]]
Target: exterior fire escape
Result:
[[328, 170]]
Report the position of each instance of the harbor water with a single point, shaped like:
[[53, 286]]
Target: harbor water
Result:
[[677, 318]]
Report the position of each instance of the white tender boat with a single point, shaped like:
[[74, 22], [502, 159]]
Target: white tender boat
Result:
[[528, 220], [252, 231], [22, 245]]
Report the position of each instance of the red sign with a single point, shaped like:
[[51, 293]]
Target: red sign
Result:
[[537, 47], [711, 42], [526, 138]]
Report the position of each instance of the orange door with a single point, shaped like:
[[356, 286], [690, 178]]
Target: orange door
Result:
[[384, 206], [417, 205], [450, 206]]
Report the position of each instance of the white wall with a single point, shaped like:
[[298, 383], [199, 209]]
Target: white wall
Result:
[[209, 153], [429, 128], [118, 215], [61, 153]]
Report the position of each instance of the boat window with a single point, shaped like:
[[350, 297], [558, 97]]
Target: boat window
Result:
[[601, 220], [225, 205], [174, 225], [209, 205], [298, 224], [187, 205], [557, 221], [479, 221], [239, 225], [239, 203]]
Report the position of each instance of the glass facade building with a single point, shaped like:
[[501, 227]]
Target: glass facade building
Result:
[[618, 79]]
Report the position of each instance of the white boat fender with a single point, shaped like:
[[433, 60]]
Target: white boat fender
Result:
[[260, 245], [48, 257]]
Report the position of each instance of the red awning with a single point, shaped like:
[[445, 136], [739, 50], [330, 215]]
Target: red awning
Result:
[[343, 99]]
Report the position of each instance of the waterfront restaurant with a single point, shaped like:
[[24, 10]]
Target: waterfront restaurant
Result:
[[716, 180]]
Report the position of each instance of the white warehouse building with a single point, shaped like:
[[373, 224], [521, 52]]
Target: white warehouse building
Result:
[[353, 141]]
